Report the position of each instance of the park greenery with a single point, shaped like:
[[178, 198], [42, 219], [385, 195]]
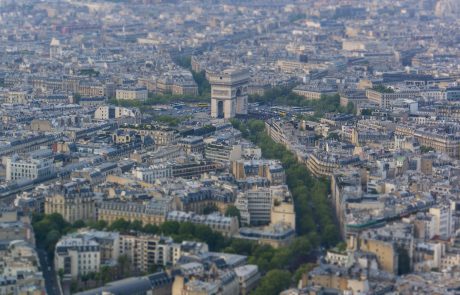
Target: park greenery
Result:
[[49, 229], [274, 282], [366, 112], [285, 96], [426, 149], [157, 99], [233, 212], [168, 120], [184, 61], [383, 89], [204, 88], [89, 72]]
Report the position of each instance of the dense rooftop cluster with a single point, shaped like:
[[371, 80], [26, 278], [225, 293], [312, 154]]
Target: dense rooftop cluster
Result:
[[229, 147]]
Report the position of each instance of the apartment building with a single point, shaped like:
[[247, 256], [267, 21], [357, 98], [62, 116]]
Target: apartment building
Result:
[[90, 89], [271, 169], [20, 271], [147, 251], [385, 99], [138, 93], [162, 136], [38, 165], [13, 227], [314, 92], [228, 226], [248, 278], [222, 153], [442, 217], [255, 206], [113, 112], [440, 141], [152, 213], [192, 144], [153, 172], [73, 200], [18, 97], [77, 256]]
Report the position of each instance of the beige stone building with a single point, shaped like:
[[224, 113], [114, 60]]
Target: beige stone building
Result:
[[73, 200], [140, 93], [41, 125], [18, 97], [112, 211], [443, 143], [163, 136]]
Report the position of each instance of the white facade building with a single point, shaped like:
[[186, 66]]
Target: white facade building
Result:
[[132, 93], [55, 48], [113, 112], [38, 165], [153, 172], [443, 221], [255, 206], [77, 256]]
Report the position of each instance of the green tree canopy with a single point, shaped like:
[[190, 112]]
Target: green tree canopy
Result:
[[170, 227], [120, 225], [151, 229], [232, 211], [79, 224], [274, 282], [210, 209]]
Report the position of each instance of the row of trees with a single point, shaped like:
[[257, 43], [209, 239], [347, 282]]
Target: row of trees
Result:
[[156, 99], [293, 259], [48, 230], [204, 90], [383, 89], [169, 120], [315, 220], [285, 96], [276, 264], [313, 211], [426, 149]]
